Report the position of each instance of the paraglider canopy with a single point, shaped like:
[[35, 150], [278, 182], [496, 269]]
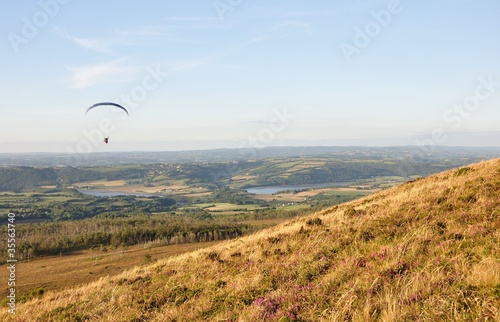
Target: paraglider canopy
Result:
[[107, 103], [106, 139]]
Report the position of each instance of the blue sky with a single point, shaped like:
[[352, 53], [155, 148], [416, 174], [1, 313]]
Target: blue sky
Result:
[[240, 73]]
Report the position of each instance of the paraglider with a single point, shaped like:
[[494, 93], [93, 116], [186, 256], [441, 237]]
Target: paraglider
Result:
[[107, 103], [106, 139]]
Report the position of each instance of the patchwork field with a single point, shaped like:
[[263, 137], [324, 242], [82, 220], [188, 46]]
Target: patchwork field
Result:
[[122, 186], [425, 250], [303, 195]]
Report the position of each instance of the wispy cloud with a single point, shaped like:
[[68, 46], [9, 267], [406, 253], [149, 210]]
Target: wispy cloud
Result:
[[106, 73], [121, 70], [94, 44], [170, 30], [109, 41]]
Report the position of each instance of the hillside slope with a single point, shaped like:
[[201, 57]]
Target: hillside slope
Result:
[[427, 250]]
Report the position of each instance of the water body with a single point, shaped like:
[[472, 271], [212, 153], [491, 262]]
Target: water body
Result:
[[268, 190], [107, 193]]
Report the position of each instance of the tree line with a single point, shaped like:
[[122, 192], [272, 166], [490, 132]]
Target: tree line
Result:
[[52, 238], [81, 207]]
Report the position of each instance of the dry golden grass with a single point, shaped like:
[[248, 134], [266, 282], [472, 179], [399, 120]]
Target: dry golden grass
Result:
[[59, 272], [427, 250]]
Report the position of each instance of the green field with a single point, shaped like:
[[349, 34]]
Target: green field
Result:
[[192, 198], [425, 250]]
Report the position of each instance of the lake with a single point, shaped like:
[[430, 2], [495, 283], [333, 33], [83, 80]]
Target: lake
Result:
[[269, 190]]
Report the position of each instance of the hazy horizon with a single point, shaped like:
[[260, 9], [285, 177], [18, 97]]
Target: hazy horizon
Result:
[[306, 150], [232, 74]]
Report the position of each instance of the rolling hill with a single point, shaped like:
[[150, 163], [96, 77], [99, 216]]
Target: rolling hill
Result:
[[426, 250]]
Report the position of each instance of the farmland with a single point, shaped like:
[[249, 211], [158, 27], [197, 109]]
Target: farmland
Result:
[[97, 214], [426, 249]]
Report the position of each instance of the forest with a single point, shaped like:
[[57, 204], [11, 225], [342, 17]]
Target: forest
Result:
[[187, 202]]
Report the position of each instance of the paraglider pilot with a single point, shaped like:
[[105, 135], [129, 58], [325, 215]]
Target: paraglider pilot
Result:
[[106, 139]]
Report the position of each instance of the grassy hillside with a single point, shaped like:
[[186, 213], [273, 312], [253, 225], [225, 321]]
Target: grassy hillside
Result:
[[426, 250]]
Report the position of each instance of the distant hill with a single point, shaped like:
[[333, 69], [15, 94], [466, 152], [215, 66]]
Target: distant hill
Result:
[[426, 250], [20, 178], [21, 172], [411, 153]]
